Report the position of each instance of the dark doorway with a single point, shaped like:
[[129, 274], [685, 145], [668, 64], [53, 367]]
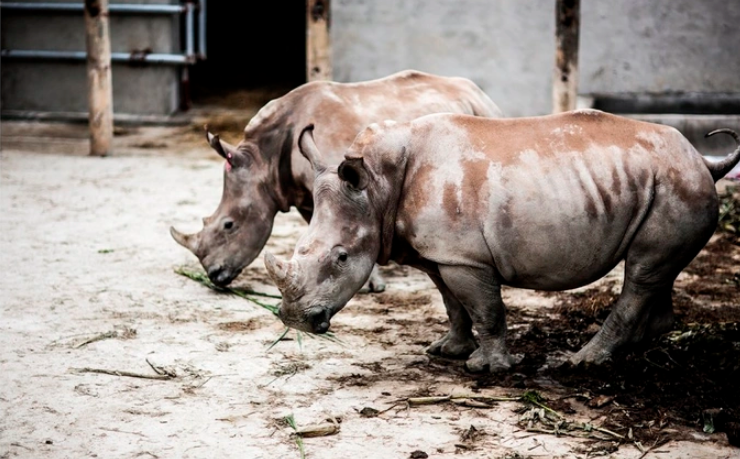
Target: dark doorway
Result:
[[253, 48]]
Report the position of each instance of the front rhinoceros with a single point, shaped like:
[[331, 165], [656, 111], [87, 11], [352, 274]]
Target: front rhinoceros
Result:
[[546, 203], [265, 173]]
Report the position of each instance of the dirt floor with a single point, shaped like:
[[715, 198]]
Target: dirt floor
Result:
[[106, 351]]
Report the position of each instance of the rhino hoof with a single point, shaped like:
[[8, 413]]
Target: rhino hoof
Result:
[[373, 286], [376, 287], [587, 357], [480, 362], [452, 347]]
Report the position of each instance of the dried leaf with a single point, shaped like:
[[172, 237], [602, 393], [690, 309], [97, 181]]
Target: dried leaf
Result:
[[601, 400], [318, 430]]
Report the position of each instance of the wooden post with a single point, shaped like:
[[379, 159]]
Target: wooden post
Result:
[[318, 41], [99, 87], [565, 76]]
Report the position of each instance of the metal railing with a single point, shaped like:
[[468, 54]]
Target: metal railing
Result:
[[189, 9]]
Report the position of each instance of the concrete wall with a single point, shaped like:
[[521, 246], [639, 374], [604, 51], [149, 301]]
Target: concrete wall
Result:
[[61, 86], [653, 47], [507, 46]]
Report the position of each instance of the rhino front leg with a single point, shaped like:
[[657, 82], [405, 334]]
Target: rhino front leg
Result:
[[480, 294], [375, 283], [459, 342]]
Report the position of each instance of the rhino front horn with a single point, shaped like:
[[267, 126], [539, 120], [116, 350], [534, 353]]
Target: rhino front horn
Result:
[[185, 240], [277, 270]]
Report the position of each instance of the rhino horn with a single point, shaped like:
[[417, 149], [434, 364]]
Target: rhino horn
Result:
[[222, 148], [277, 270], [309, 150], [186, 240]]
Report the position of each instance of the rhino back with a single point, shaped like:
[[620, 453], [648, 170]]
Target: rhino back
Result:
[[340, 110], [552, 202]]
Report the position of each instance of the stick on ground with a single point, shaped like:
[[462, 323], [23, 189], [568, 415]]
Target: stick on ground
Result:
[[122, 373]]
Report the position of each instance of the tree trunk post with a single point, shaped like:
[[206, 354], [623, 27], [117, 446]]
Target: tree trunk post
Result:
[[99, 86], [318, 40], [565, 76]]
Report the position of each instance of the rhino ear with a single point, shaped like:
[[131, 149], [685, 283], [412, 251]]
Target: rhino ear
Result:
[[354, 171], [309, 150], [225, 150]]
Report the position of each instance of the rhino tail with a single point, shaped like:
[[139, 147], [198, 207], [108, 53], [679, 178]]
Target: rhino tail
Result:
[[719, 169]]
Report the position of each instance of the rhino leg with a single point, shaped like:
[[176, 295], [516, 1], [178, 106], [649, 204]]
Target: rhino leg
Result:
[[480, 294], [645, 309], [640, 313], [375, 283], [459, 342]]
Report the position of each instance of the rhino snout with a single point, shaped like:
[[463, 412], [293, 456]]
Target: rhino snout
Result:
[[315, 320], [319, 320], [221, 275]]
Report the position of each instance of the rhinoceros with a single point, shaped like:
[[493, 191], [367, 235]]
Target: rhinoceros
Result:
[[265, 173], [548, 203]]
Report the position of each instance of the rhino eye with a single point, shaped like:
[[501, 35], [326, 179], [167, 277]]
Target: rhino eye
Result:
[[228, 225], [342, 256]]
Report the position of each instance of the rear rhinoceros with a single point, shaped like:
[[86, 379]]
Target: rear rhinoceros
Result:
[[547, 203], [265, 173]]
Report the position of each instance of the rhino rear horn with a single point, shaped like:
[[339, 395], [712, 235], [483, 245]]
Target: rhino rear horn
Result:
[[309, 150], [222, 148], [186, 240], [277, 270]]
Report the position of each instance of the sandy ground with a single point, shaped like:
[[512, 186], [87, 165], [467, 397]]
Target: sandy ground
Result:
[[86, 252]]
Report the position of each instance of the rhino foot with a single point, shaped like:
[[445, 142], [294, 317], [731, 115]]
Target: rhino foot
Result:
[[453, 346], [375, 284], [591, 355], [481, 361]]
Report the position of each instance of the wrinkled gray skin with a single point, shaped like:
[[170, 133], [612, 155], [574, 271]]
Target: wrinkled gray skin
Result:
[[265, 173], [546, 203]]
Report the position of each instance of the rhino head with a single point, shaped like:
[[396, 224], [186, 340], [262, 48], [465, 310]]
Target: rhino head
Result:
[[351, 229], [237, 231]]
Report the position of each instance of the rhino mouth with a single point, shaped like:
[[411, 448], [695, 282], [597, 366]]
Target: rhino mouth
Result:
[[222, 276], [315, 320]]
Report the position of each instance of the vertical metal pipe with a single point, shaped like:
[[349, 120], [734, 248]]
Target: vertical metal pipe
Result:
[[189, 30], [202, 30]]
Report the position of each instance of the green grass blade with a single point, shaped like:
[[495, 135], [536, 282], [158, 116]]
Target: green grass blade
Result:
[[201, 277], [285, 332], [243, 293], [290, 420]]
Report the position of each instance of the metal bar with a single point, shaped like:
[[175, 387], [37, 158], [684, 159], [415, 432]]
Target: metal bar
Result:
[[189, 29], [116, 8], [202, 30], [153, 58]]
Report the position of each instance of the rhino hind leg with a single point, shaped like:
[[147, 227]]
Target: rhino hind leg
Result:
[[459, 342], [640, 313], [480, 295], [644, 309]]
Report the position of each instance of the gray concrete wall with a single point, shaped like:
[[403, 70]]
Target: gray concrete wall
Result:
[[507, 46], [61, 86]]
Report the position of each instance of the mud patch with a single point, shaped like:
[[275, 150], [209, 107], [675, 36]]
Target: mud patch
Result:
[[249, 325]]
